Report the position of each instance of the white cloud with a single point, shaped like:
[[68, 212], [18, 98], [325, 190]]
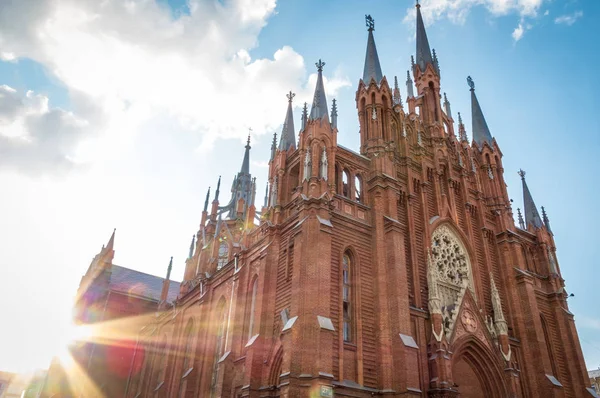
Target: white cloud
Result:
[[517, 34], [134, 61], [35, 137], [568, 19], [590, 323], [457, 11]]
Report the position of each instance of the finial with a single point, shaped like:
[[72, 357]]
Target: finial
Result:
[[249, 132], [396, 82], [370, 23], [169, 268], [290, 96], [445, 98], [192, 245], [471, 83], [218, 189], [520, 217], [412, 62], [521, 173], [459, 117], [266, 201], [320, 65], [334, 107], [418, 5], [546, 220]]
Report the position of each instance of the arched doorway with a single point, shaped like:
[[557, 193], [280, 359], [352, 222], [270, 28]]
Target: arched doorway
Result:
[[476, 371]]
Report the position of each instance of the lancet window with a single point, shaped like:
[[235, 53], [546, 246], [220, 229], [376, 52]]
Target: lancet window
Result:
[[347, 298], [251, 326]]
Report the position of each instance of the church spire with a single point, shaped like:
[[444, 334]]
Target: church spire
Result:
[[481, 131], [397, 97], [192, 246], [111, 242], [423, 49], [409, 86], [206, 200], [319, 106], [462, 133], [288, 136], [531, 214], [334, 114], [246, 161], [218, 189], [372, 67], [546, 220]]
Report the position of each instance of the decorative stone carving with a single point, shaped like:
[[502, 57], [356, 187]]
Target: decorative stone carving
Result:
[[469, 321], [324, 164], [274, 191], [307, 165], [448, 274], [499, 321]]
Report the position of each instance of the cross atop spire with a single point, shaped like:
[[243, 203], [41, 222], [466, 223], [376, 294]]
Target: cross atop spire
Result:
[[319, 107], [531, 213], [481, 131], [288, 135], [372, 68], [423, 50]]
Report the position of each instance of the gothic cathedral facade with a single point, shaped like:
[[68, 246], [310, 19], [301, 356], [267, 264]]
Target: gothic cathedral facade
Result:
[[396, 270]]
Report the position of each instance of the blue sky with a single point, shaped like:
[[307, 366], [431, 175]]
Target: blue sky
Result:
[[133, 113]]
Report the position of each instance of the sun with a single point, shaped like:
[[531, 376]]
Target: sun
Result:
[[72, 335]]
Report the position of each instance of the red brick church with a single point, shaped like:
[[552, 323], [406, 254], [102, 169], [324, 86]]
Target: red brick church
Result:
[[395, 270]]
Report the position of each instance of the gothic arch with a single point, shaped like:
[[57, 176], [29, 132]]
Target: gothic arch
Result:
[[276, 366], [472, 358]]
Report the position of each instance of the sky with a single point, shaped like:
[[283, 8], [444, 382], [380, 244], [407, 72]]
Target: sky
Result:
[[120, 114]]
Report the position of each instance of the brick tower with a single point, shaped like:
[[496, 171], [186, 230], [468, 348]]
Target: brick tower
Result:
[[396, 270]]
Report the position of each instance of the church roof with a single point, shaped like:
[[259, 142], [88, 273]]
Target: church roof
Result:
[[140, 284]]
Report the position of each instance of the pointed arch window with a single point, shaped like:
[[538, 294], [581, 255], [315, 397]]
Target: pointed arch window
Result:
[[221, 317], [188, 358], [251, 325], [347, 298], [346, 183], [358, 188], [223, 255], [160, 368]]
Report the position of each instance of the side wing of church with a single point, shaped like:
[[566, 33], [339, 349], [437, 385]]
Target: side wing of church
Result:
[[396, 270]]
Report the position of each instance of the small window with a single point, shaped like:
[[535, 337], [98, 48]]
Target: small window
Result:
[[357, 188], [346, 183], [347, 298], [223, 255], [251, 327]]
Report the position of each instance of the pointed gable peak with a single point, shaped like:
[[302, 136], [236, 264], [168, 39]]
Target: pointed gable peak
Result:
[[423, 50], [372, 70], [480, 130], [246, 162], [288, 135], [531, 213], [319, 106]]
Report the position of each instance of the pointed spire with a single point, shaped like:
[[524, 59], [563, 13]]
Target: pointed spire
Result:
[[462, 133], [218, 189], [372, 68], [319, 105], [481, 131], [334, 114], [531, 213], [423, 49], [520, 217], [304, 115], [546, 220], [274, 145], [288, 135], [499, 320], [206, 200], [192, 246], [246, 161], [396, 94], [266, 201], [436, 63], [447, 106], [111, 242], [409, 86], [253, 192], [169, 268]]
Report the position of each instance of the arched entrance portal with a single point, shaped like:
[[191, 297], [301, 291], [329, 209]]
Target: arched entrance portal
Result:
[[476, 371]]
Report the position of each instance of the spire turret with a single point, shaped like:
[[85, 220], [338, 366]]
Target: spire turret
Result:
[[447, 106], [396, 95], [169, 268], [218, 189], [423, 50], [481, 131], [520, 218], [372, 68], [246, 162], [334, 114], [206, 200], [288, 135], [409, 86], [266, 201], [192, 246], [462, 133], [304, 116], [532, 217], [319, 108], [546, 220], [274, 145], [165, 287], [111, 242]]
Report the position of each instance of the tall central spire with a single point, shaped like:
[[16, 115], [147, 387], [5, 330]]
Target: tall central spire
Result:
[[423, 49], [372, 66], [481, 131], [288, 136], [319, 106], [531, 213], [246, 161]]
